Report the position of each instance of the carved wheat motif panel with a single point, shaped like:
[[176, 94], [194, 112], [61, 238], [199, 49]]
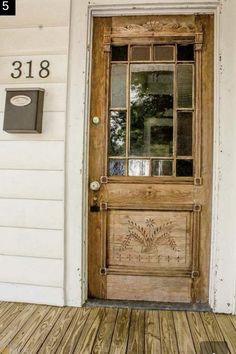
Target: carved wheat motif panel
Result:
[[149, 238]]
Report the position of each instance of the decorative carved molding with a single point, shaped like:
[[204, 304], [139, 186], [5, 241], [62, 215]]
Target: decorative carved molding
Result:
[[157, 26], [150, 237]]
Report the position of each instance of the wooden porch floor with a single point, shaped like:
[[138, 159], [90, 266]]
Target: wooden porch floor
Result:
[[46, 330]]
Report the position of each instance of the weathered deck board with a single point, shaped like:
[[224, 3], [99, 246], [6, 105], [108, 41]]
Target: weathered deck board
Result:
[[32, 329], [152, 332]]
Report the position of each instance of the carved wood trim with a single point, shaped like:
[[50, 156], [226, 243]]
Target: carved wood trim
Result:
[[155, 26]]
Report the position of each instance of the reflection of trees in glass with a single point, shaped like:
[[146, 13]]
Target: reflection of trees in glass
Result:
[[117, 134], [151, 96]]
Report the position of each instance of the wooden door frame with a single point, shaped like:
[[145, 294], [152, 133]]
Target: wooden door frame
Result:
[[168, 8]]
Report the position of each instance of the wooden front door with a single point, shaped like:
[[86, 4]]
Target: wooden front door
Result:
[[150, 158]]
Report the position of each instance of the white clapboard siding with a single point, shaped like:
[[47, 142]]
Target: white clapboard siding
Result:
[[32, 294], [38, 13], [32, 155], [53, 128], [31, 242], [26, 213], [54, 97], [34, 41], [33, 271], [57, 68], [48, 185]]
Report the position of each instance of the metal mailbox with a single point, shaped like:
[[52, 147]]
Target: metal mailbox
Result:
[[24, 110]]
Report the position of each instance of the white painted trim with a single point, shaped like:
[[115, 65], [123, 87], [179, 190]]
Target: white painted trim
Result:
[[79, 79]]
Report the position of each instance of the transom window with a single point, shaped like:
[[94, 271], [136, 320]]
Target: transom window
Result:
[[151, 110]]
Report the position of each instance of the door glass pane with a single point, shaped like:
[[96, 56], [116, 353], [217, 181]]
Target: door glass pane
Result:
[[185, 52], [184, 134], [117, 133], [163, 53], [162, 168], [184, 168], [118, 86], [151, 99], [119, 53], [140, 53], [139, 168], [185, 85], [116, 167]]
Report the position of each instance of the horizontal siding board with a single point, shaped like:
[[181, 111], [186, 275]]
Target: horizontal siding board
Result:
[[33, 271], [32, 294], [42, 13], [53, 129], [34, 41], [54, 98], [25, 213], [31, 243], [32, 155], [57, 68], [32, 184]]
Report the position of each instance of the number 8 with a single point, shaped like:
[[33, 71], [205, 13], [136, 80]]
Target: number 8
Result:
[[44, 65]]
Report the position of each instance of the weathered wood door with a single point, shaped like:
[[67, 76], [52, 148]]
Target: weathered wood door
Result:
[[150, 158]]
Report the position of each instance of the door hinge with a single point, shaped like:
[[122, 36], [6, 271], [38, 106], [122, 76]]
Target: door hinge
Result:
[[195, 274], [103, 271]]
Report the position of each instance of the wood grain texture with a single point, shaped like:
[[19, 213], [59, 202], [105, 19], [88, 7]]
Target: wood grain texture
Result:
[[87, 338], [105, 332], [121, 332], [18, 342], [168, 334], [198, 332], [136, 331], [170, 289], [228, 331], [53, 340], [9, 333], [42, 331], [183, 334], [74, 331], [32, 329], [121, 241], [152, 332]]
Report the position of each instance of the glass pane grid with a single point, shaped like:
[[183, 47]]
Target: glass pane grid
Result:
[[147, 136]]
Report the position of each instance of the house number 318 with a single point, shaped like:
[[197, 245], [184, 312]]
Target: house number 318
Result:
[[17, 65]]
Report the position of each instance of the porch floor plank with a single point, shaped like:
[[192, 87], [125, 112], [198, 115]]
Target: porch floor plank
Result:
[[152, 332], [183, 333], [121, 332], [228, 331], [198, 332], [104, 336], [41, 329]]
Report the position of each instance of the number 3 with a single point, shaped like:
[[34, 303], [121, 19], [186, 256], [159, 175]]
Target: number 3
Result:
[[19, 63], [5, 5]]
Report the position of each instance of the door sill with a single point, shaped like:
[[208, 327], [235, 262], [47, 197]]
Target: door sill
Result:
[[148, 305]]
